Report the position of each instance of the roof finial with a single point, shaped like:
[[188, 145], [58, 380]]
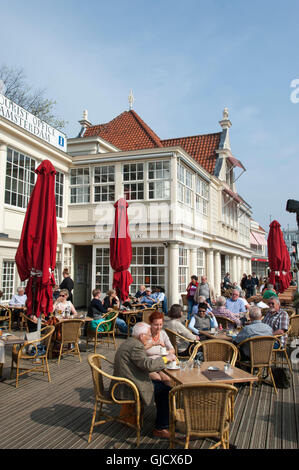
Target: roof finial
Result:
[[131, 100], [225, 113]]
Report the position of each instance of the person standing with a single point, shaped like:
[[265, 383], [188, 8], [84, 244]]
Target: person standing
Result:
[[255, 282], [243, 281], [249, 286], [67, 283], [191, 289], [206, 290]]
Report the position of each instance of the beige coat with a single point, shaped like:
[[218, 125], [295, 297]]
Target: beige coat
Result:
[[197, 295], [132, 362]]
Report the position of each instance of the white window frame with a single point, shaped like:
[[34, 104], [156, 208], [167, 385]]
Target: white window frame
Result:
[[200, 262], [15, 186], [185, 184], [102, 279], [142, 261], [8, 289], [183, 269], [158, 178], [84, 185], [109, 184], [201, 195], [131, 181]]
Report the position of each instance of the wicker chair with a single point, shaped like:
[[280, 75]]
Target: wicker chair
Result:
[[105, 329], [173, 339], [103, 396], [294, 326], [282, 349], [39, 362], [205, 412], [261, 348], [146, 313], [70, 331], [219, 350], [5, 316], [225, 322]]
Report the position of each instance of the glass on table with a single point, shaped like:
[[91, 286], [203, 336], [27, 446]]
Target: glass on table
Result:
[[183, 364]]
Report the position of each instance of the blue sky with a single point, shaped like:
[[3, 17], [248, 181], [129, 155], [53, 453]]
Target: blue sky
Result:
[[185, 62]]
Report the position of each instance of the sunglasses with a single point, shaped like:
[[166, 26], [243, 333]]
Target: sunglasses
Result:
[[202, 311], [62, 295]]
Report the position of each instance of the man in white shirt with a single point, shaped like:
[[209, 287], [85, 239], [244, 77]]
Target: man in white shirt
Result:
[[20, 298]]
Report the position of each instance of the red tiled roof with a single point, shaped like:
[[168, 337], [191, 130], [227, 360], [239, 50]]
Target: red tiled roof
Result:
[[126, 132], [201, 147], [129, 132]]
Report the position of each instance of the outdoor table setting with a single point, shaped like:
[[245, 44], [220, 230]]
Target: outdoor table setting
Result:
[[16, 311], [7, 339], [197, 372], [227, 335], [130, 317]]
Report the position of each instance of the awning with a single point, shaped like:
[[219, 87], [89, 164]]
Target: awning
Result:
[[257, 239], [235, 162], [235, 196], [261, 260]]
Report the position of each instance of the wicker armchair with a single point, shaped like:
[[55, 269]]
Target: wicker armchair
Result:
[[261, 348], [5, 316], [70, 331], [204, 414], [146, 313], [105, 329], [225, 322], [282, 349], [104, 396], [173, 339], [294, 326], [39, 362], [219, 350]]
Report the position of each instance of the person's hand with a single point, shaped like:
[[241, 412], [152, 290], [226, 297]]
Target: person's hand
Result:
[[197, 337], [171, 357]]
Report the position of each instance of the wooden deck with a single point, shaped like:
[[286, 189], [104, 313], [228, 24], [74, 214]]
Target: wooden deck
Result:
[[57, 415]]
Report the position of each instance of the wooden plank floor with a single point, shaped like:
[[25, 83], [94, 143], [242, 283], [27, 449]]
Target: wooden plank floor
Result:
[[57, 415]]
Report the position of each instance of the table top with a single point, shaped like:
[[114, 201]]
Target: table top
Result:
[[12, 339], [219, 335], [20, 307], [195, 376]]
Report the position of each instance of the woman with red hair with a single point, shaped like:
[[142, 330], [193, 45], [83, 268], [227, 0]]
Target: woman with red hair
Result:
[[159, 344]]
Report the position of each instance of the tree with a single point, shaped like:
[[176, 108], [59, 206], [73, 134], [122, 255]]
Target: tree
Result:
[[15, 88]]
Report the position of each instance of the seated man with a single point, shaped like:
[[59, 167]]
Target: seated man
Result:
[[140, 292], [277, 319], [201, 300], [269, 292], [20, 298], [148, 299], [255, 328], [236, 305], [159, 295], [96, 310], [222, 311], [132, 362], [203, 320]]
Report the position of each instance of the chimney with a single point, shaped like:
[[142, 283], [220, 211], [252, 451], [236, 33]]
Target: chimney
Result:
[[85, 123], [225, 123]]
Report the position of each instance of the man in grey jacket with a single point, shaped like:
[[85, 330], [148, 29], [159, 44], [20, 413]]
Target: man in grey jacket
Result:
[[132, 362], [255, 328]]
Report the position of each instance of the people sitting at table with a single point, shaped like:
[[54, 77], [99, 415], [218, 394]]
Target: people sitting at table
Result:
[[132, 362], [201, 300], [62, 306], [277, 319], [111, 300], [202, 320], [255, 328], [269, 292], [244, 300], [159, 295], [148, 299], [235, 304], [140, 292], [175, 315], [221, 311], [67, 283], [158, 339], [19, 299], [96, 310], [56, 292]]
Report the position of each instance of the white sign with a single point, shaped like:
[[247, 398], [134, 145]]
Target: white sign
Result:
[[31, 123]]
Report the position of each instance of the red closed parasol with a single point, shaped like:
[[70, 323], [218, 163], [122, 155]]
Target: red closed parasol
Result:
[[121, 250], [279, 258], [36, 254]]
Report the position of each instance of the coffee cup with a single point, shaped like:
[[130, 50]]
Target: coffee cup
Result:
[[172, 365], [212, 330]]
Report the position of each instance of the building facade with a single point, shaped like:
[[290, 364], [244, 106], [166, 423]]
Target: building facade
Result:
[[258, 245], [185, 214]]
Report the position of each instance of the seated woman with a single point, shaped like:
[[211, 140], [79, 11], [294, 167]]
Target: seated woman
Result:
[[111, 300], [62, 306], [96, 310], [159, 339], [175, 314], [202, 320]]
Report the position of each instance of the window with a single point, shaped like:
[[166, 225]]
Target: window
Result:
[[68, 258], [202, 195], [244, 225], [159, 185], [183, 269], [20, 178], [79, 185], [132, 175], [148, 267], [59, 182], [229, 211], [8, 268], [102, 269], [184, 185], [200, 262], [104, 183]]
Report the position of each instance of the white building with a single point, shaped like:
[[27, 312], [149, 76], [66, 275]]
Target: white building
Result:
[[258, 245], [185, 214]]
